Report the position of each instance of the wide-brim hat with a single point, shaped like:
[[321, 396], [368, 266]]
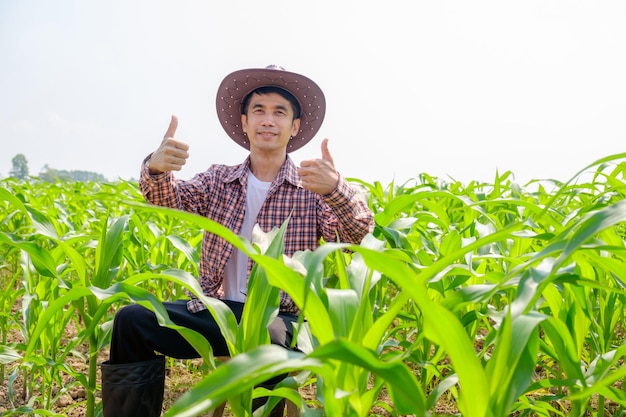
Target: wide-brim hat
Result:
[[237, 85]]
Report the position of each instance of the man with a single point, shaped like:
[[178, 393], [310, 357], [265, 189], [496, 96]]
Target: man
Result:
[[270, 112]]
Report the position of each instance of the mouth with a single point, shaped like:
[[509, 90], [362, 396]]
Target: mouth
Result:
[[266, 134]]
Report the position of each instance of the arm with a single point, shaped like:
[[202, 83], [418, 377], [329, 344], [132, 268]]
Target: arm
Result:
[[342, 213], [156, 180], [347, 217]]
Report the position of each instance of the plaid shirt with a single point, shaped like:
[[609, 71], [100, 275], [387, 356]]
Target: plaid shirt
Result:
[[220, 194]]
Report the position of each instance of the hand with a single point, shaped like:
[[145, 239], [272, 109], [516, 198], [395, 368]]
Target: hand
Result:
[[172, 154], [319, 175]]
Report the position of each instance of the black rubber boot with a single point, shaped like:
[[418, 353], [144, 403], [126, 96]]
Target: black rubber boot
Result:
[[133, 389], [279, 409]]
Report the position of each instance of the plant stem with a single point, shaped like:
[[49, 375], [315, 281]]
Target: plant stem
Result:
[[93, 368]]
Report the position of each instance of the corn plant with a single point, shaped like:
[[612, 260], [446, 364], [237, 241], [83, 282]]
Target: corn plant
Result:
[[61, 286], [500, 298]]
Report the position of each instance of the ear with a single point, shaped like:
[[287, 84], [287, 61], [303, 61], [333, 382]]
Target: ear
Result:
[[244, 123], [295, 127]]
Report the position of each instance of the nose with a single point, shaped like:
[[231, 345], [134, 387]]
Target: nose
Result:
[[268, 120]]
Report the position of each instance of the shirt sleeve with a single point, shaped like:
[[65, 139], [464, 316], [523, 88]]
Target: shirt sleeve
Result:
[[158, 189], [165, 190], [347, 216]]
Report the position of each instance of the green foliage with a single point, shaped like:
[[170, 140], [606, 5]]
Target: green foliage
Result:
[[500, 298], [19, 167], [52, 175]]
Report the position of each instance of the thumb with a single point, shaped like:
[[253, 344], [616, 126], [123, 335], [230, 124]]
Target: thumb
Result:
[[171, 130], [325, 152]]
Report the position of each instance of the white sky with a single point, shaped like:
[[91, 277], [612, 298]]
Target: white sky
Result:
[[453, 88]]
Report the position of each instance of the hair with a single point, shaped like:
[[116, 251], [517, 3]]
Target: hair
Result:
[[273, 89]]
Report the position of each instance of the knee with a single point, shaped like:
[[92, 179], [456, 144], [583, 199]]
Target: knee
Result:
[[132, 315], [280, 334]]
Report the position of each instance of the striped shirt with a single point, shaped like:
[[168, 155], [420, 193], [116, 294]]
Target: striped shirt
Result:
[[220, 194]]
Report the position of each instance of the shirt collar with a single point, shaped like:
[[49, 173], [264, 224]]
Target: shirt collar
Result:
[[240, 172], [288, 172]]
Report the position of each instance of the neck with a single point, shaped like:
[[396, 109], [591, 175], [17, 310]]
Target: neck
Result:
[[266, 167]]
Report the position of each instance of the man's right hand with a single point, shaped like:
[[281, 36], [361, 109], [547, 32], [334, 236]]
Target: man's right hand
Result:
[[171, 155]]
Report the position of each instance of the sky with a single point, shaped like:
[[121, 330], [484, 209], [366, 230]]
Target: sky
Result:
[[455, 89]]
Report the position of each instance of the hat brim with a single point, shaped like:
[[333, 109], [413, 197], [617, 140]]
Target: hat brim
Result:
[[237, 85]]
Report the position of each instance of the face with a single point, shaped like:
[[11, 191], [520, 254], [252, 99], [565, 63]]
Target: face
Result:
[[269, 123]]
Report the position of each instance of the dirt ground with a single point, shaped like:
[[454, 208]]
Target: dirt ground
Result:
[[181, 375]]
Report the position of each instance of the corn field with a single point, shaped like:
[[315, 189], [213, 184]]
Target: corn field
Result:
[[497, 299]]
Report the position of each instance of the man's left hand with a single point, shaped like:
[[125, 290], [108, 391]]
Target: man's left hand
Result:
[[319, 175]]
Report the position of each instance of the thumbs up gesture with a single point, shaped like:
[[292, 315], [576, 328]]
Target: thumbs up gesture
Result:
[[319, 175], [172, 154]]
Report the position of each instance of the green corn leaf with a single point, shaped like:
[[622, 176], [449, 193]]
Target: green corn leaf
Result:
[[564, 346], [406, 393], [109, 253], [441, 327], [263, 299], [511, 366], [8, 355], [42, 223], [220, 311], [238, 375], [184, 246], [343, 306], [43, 262]]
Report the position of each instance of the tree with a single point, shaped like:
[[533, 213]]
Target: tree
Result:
[[51, 175], [20, 167]]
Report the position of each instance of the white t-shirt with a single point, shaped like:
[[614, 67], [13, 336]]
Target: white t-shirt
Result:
[[236, 275]]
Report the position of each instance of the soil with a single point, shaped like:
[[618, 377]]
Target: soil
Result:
[[181, 375]]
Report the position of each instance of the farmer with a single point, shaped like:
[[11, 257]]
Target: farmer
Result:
[[270, 112]]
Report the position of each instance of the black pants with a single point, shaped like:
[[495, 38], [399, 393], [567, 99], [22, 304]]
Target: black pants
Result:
[[137, 335]]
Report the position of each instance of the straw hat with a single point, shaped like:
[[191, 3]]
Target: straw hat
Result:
[[237, 85]]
